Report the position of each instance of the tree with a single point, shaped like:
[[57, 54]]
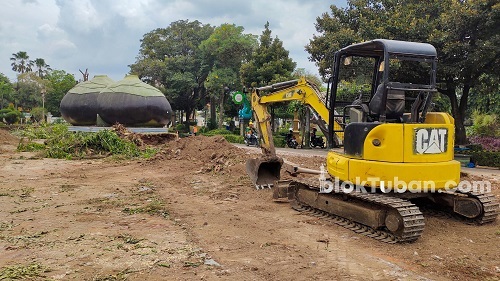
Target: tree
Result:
[[6, 91], [485, 97], [60, 83], [170, 58], [21, 62], [302, 72], [228, 47], [42, 68], [463, 32], [468, 41], [29, 91], [269, 62]]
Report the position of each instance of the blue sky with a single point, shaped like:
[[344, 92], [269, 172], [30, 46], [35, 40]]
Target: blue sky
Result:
[[104, 35]]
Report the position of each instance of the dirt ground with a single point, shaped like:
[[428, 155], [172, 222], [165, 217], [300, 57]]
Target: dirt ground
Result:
[[191, 213]]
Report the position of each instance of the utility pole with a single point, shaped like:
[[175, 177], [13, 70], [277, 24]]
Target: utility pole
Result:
[[43, 104]]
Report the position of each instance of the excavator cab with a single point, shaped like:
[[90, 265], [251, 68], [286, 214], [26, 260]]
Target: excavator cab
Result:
[[388, 131]]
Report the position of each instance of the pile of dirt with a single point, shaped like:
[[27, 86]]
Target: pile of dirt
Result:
[[8, 138], [211, 154]]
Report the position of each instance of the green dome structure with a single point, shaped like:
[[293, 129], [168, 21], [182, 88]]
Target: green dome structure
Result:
[[132, 102], [79, 105]]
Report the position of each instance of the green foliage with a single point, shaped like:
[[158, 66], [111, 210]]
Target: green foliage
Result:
[[485, 136], [212, 124], [228, 135], [234, 138], [42, 131], [38, 113], [171, 59], [350, 91], [182, 128], [60, 143], [21, 62], [279, 141], [10, 115], [29, 90], [269, 62], [282, 110], [485, 97], [485, 125], [30, 146], [485, 158], [228, 46], [302, 72], [440, 103], [6, 91], [279, 137], [154, 207], [217, 132], [22, 272], [60, 83], [465, 34], [226, 49], [42, 68]]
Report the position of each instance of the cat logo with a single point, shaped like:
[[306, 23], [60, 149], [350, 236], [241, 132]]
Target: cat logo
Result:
[[288, 95], [431, 140]]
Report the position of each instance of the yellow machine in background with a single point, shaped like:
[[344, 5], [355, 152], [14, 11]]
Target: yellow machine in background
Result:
[[397, 156]]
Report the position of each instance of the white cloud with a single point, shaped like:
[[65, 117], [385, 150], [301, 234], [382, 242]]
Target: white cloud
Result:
[[104, 35]]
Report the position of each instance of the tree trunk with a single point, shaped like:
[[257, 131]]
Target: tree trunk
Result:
[[461, 136], [221, 111], [213, 116], [458, 111]]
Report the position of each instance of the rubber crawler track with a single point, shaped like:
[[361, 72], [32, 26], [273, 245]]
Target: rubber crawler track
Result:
[[413, 219]]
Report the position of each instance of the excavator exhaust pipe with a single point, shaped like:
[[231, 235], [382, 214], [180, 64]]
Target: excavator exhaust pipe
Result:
[[264, 171]]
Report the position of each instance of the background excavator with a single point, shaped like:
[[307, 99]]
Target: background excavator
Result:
[[397, 155]]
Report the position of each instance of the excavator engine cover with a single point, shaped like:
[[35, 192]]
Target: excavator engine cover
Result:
[[264, 171]]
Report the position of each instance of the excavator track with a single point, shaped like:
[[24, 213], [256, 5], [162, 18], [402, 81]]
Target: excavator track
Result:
[[411, 219], [490, 208]]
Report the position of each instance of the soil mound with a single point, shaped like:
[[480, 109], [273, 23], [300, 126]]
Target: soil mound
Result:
[[8, 138], [210, 154]]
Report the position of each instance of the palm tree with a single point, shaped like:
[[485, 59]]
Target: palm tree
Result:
[[42, 67], [21, 62]]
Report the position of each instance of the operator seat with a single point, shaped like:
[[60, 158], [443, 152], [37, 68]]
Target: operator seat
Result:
[[359, 112], [395, 105]]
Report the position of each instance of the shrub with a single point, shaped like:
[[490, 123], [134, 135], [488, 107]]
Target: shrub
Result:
[[10, 115], [38, 113], [279, 141], [485, 125], [485, 158], [217, 132], [182, 128], [42, 131], [234, 138], [60, 143]]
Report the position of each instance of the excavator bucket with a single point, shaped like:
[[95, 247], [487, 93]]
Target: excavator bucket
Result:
[[264, 171]]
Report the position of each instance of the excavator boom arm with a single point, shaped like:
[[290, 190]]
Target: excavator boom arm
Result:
[[265, 171], [296, 90]]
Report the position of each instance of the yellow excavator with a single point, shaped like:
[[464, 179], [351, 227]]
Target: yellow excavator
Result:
[[397, 155]]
